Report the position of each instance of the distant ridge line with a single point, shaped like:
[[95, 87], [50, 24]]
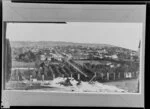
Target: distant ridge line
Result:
[[58, 43]]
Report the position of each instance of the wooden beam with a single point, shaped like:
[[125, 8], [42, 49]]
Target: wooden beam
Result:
[[93, 77], [76, 68]]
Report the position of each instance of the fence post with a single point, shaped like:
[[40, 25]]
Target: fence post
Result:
[[42, 77], [134, 74], [130, 74], [71, 75], [95, 76], [137, 74], [119, 75], [124, 74], [30, 77], [17, 75], [102, 75], [53, 76], [114, 76], [107, 76], [78, 76]]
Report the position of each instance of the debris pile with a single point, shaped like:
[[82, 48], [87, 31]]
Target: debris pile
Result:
[[73, 85]]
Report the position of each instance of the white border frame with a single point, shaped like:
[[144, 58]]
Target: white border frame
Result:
[[19, 12]]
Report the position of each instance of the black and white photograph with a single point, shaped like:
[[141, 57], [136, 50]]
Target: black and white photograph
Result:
[[73, 54], [76, 57]]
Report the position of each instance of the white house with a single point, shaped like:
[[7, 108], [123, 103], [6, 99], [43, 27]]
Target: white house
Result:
[[43, 57], [114, 56]]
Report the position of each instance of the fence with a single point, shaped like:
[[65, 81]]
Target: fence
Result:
[[17, 75]]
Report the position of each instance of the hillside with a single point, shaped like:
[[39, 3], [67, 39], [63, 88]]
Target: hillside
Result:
[[53, 43]]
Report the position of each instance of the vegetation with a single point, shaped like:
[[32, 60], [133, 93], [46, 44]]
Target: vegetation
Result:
[[26, 57], [69, 59]]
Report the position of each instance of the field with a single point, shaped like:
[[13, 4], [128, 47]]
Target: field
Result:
[[63, 60], [16, 64], [130, 85]]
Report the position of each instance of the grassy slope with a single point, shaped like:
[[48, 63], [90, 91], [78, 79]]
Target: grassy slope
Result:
[[16, 64]]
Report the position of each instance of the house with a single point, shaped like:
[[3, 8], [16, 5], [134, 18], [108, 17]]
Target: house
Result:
[[114, 56], [102, 51], [49, 58], [57, 57], [42, 57], [128, 75], [112, 66]]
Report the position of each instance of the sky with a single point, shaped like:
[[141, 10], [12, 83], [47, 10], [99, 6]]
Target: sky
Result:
[[126, 35]]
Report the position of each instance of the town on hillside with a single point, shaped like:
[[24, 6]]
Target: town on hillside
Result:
[[87, 63]]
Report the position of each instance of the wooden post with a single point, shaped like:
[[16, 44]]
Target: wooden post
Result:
[[136, 74], [102, 75], [17, 75], [30, 77], [107, 76], [119, 75], [127, 74], [14, 75], [133, 75], [130, 73], [42, 77], [78, 76], [71, 75], [28, 68], [53, 76], [114, 76], [95, 76], [124, 74]]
